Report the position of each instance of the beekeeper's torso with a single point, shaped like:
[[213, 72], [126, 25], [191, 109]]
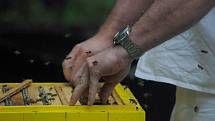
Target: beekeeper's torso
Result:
[[187, 60]]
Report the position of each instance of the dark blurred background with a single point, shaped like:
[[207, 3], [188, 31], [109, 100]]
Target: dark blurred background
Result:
[[36, 35]]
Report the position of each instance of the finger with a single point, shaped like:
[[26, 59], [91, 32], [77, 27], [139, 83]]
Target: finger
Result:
[[74, 61], [66, 70], [68, 63], [77, 93], [80, 83], [77, 63], [106, 91], [111, 82], [74, 68], [103, 65], [84, 97], [93, 82], [73, 54], [71, 57], [67, 73], [95, 68]]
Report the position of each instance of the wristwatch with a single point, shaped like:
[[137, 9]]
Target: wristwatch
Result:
[[122, 39]]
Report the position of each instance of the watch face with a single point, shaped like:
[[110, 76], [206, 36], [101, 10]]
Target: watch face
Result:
[[115, 38], [122, 39], [121, 35]]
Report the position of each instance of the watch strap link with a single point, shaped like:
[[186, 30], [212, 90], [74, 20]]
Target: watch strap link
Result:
[[133, 51]]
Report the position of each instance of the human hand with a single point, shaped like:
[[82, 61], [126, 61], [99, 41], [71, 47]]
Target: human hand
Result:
[[111, 65], [80, 52]]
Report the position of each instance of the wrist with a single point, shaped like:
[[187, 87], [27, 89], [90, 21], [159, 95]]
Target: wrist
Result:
[[122, 38], [121, 52], [136, 38], [108, 30], [102, 40]]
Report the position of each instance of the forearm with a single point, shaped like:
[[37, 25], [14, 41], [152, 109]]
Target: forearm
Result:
[[124, 12], [167, 18]]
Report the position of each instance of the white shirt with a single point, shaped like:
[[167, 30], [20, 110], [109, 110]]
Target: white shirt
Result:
[[187, 60]]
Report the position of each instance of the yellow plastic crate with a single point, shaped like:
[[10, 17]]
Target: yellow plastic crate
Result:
[[127, 109]]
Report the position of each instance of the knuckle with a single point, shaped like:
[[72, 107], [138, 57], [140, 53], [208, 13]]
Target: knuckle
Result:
[[81, 48], [64, 63], [83, 85], [90, 62], [79, 80], [93, 68], [77, 45], [76, 48]]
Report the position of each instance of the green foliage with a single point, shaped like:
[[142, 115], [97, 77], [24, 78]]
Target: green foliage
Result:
[[54, 13], [85, 12]]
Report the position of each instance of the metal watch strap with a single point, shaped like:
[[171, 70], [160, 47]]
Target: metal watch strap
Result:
[[133, 51], [122, 39]]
